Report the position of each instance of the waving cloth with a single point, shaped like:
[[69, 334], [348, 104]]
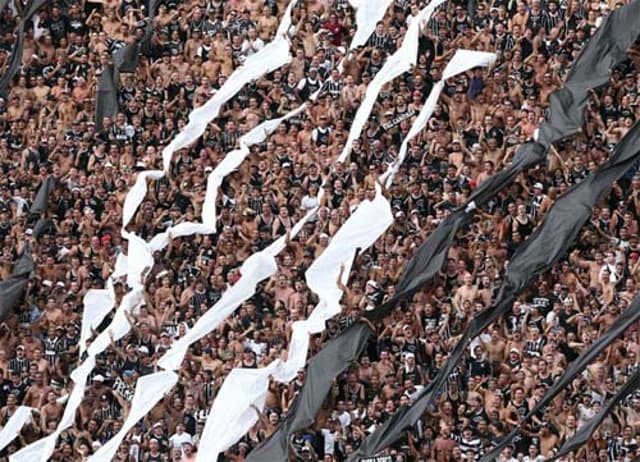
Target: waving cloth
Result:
[[622, 322], [18, 45], [548, 243], [432, 254], [583, 434]]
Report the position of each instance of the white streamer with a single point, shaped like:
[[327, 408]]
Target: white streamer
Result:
[[232, 413], [149, 390], [14, 425], [97, 304], [368, 13], [271, 57], [137, 193]]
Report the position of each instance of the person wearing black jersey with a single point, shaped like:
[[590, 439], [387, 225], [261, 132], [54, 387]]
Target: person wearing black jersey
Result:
[[282, 223], [320, 134], [522, 223], [460, 22], [309, 84], [373, 64], [410, 370], [535, 342]]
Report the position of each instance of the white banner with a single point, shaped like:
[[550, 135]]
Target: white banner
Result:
[[9, 432], [368, 13], [232, 414], [149, 390]]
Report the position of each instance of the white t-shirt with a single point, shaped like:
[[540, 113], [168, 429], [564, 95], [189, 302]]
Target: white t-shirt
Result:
[[176, 439]]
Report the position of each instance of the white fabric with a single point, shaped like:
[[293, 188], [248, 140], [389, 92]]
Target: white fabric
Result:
[[97, 303], [149, 390], [228, 165], [368, 13], [232, 414], [120, 267], [14, 425], [397, 64], [137, 193], [244, 388]]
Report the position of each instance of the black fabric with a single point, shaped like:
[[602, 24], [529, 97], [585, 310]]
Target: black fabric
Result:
[[13, 288], [583, 434], [43, 226], [323, 367], [16, 52], [41, 202], [622, 322], [124, 60], [106, 96], [11, 292], [548, 243], [606, 49], [594, 62]]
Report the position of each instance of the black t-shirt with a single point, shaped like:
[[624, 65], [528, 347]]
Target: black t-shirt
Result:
[[19, 389]]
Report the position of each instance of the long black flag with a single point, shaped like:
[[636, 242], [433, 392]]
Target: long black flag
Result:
[[585, 431], [12, 289], [622, 322], [41, 201], [124, 60], [593, 65], [548, 243], [18, 46]]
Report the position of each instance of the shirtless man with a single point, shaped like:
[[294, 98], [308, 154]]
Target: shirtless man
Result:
[[37, 392], [50, 412], [466, 292], [267, 24]]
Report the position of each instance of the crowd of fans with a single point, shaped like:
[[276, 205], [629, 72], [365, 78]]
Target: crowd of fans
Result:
[[47, 127]]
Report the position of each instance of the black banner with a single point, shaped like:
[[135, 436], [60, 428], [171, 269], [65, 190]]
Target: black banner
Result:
[[592, 69], [125, 60], [106, 96], [607, 47], [583, 433], [13, 288], [16, 52], [41, 201], [622, 322]]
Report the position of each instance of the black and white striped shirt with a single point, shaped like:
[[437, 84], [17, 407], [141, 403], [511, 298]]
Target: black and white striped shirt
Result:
[[549, 20], [334, 89], [229, 139], [474, 445], [378, 41]]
